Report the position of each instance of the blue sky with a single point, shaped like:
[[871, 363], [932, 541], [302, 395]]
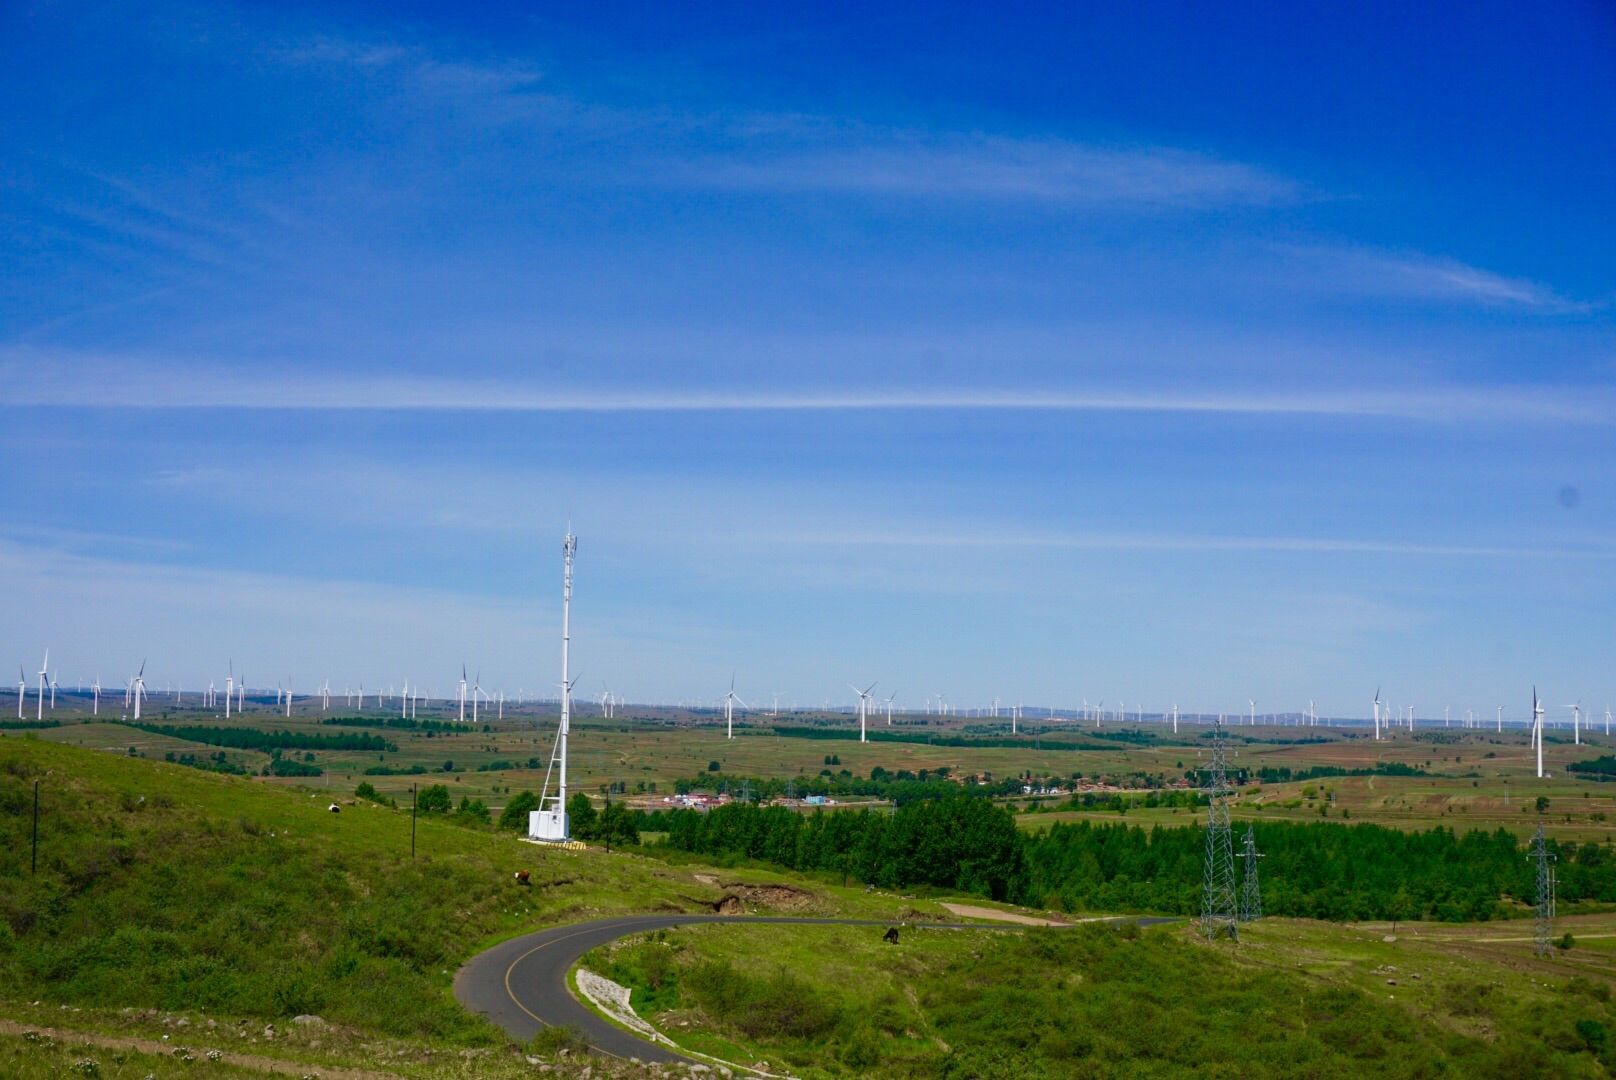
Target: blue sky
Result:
[[1158, 355]]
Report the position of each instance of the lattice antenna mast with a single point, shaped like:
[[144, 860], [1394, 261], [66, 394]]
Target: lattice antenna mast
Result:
[[1250, 890], [551, 823], [1543, 931], [1219, 908]]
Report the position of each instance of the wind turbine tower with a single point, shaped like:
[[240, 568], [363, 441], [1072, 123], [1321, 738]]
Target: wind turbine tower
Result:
[[864, 707], [729, 708], [551, 824], [44, 672], [1537, 730], [139, 688]]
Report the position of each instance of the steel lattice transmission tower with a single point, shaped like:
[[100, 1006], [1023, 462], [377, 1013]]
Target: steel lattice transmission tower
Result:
[[1250, 891], [1543, 932], [1219, 907]]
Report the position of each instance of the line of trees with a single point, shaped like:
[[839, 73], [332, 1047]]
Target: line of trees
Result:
[[1317, 870], [240, 738], [400, 723]]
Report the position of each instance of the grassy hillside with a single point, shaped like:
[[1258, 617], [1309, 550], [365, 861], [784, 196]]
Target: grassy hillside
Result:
[[166, 888], [1294, 999]]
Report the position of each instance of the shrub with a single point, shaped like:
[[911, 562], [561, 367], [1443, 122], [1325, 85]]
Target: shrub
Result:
[[552, 1041]]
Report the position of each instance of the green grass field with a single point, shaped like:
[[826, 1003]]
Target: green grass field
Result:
[[1292, 999]]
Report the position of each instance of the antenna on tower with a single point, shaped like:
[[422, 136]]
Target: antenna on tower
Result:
[[1219, 910], [1250, 891], [551, 824], [1543, 931]]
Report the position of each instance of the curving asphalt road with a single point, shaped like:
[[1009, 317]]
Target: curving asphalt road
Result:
[[521, 984]]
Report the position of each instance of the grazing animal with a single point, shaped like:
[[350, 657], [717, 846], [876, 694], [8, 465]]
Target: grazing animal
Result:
[[334, 808], [523, 878], [891, 936]]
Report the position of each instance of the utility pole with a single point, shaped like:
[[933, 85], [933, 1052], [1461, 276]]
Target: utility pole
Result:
[[1250, 891], [1219, 907], [1543, 930]]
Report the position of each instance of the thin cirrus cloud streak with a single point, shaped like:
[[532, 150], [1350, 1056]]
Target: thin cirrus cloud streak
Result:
[[1149, 542], [46, 378], [993, 167], [795, 153], [1415, 276]]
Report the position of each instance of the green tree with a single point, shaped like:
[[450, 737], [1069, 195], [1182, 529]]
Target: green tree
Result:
[[514, 816], [617, 825], [434, 799], [581, 816]]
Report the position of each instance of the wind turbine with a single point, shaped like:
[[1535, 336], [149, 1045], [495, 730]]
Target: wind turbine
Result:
[[1537, 731], [229, 688], [1253, 703], [22, 689], [1175, 718], [864, 706], [95, 690], [890, 698], [729, 708], [476, 692], [44, 670], [139, 687], [462, 693], [288, 695], [1576, 723], [1377, 714]]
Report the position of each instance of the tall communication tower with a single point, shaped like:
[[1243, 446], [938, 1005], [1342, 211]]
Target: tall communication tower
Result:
[[551, 824], [1219, 907], [1543, 931], [1250, 891]]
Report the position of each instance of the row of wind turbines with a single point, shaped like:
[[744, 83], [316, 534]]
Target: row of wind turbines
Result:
[[235, 695], [1385, 718]]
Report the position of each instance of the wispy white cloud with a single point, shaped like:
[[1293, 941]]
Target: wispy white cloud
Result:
[[1405, 275], [60, 378], [1191, 542], [790, 153], [876, 162]]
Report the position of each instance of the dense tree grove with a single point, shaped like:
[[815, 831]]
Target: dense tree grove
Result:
[[1310, 869], [958, 843]]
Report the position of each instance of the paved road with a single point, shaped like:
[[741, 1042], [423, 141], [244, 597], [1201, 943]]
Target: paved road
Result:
[[521, 984]]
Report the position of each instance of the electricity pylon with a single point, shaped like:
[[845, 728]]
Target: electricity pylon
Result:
[[1219, 907], [1543, 931], [1250, 891]]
